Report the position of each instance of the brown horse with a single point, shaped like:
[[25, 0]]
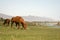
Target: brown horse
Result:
[[17, 20], [6, 21]]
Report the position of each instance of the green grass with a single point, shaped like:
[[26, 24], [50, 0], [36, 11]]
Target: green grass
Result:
[[32, 33]]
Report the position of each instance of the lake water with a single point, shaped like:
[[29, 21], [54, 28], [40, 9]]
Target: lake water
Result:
[[53, 26]]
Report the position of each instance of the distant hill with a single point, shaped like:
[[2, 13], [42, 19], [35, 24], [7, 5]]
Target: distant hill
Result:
[[4, 16], [36, 18], [29, 18]]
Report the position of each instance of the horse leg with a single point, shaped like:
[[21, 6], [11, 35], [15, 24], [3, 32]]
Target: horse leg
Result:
[[18, 25], [4, 23], [8, 23], [12, 24]]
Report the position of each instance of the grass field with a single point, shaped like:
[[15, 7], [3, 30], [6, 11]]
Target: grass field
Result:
[[32, 33]]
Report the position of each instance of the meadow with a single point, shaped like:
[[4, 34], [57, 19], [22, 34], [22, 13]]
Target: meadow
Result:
[[31, 33]]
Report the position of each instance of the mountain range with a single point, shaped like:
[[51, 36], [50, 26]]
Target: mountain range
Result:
[[28, 18], [5, 16]]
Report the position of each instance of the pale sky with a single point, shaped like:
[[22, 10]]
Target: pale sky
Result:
[[42, 8]]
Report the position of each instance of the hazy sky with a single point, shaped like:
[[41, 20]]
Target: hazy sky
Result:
[[43, 8]]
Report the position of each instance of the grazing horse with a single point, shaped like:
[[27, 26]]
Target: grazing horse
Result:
[[6, 21], [17, 20]]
